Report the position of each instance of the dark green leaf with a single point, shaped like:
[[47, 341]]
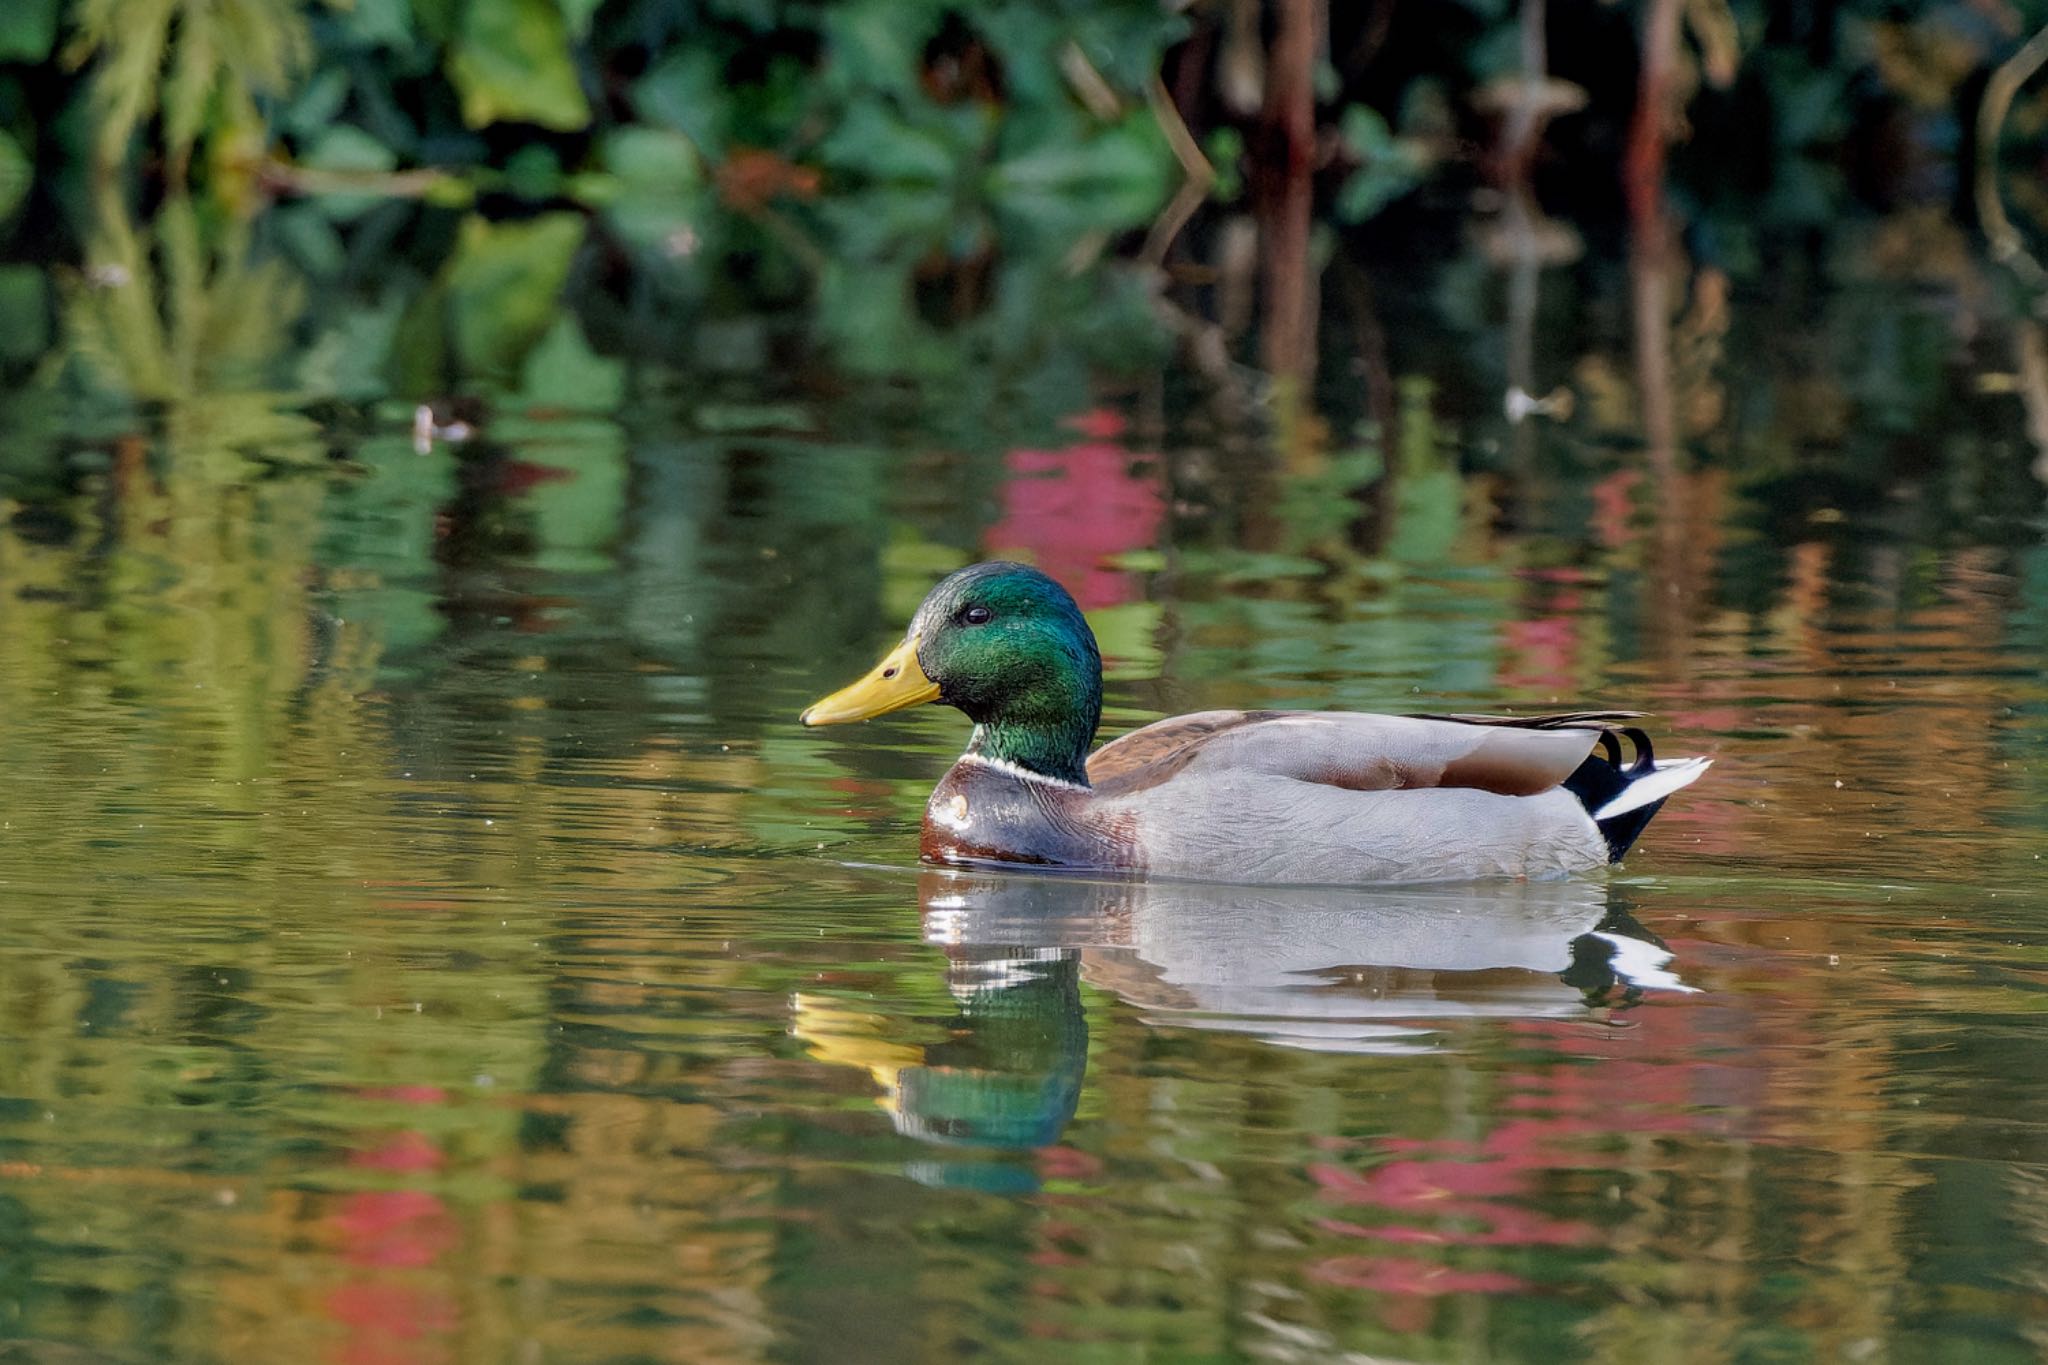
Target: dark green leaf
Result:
[[349, 153], [878, 45], [504, 286], [875, 143], [28, 30], [382, 23], [511, 62], [563, 372], [24, 303], [577, 14], [314, 109], [687, 91], [16, 174]]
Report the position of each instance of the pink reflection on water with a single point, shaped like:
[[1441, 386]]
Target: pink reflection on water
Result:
[[395, 1228], [389, 1323], [1407, 1276], [1071, 509], [389, 1313]]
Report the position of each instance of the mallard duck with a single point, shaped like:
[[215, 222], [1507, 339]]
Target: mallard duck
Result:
[[1311, 797]]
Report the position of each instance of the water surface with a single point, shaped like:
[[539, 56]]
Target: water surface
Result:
[[428, 936]]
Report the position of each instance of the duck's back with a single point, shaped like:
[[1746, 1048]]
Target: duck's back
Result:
[[1341, 797], [1353, 751]]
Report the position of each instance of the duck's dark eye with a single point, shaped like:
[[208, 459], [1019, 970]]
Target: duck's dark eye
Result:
[[977, 616]]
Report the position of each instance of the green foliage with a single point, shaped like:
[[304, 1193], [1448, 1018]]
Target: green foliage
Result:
[[24, 302], [1389, 166], [511, 61], [489, 307], [201, 64], [15, 176], [374, 87], [28, 30]]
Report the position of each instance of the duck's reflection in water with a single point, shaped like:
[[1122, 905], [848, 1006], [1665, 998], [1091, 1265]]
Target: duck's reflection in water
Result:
[[1339, 970]]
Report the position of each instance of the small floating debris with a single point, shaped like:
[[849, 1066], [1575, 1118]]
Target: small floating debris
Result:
[[426, 431], [1556, 404]]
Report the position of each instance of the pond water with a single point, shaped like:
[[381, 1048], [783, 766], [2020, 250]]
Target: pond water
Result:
[[427, 935]]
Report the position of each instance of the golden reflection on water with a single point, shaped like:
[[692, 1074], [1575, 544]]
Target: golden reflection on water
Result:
[[432, 939], [364, 1014]]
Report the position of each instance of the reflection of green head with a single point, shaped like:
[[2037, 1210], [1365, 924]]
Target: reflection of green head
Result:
[[1009, 647], [1011, 1076]]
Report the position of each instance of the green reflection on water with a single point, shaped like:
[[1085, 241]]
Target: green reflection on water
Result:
[[430, 937]]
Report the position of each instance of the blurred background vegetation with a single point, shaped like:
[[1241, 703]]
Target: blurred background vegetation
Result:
[[245, 233]]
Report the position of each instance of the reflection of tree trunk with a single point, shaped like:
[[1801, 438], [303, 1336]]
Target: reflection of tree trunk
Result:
[[1371, 530], [1525, 274], [1644, 171], [1650, 260], [1290, 113], [1650, 268], [2033, 385], [1230, 457], [1287, 192], [1649, 255], [1288, 346], [1524, 270], [1525, 114]]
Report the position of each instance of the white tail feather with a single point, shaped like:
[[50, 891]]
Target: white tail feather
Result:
[[1654, 786], [1643, 964]]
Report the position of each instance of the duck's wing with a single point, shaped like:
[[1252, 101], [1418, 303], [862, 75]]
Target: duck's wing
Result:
[[1508, 755], [1174, 741]]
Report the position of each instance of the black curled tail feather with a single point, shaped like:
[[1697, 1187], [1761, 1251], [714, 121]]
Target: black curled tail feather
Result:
[[1603, 776]]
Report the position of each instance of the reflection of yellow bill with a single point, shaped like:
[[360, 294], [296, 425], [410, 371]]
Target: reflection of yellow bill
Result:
[[896, 682], [845, 1036]]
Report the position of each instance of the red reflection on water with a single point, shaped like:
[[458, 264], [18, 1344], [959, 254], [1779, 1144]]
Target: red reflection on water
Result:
[[407, 1151], [1071, 509], [394, 1228], [519, 477], [387, 1323], [1614, 507], [1542, 653], [1455, 1196], [1067, 1163], [1402, 1275], [1448, 1192], [388, 1315]]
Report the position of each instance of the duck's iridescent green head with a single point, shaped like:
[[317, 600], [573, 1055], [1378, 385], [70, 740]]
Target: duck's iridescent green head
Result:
[[1008, 646]]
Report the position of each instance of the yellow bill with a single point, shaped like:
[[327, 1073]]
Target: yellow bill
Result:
[[896, 682]]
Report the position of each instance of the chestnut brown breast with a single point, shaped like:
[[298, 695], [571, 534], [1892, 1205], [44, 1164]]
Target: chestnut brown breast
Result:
[[982, 812]]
